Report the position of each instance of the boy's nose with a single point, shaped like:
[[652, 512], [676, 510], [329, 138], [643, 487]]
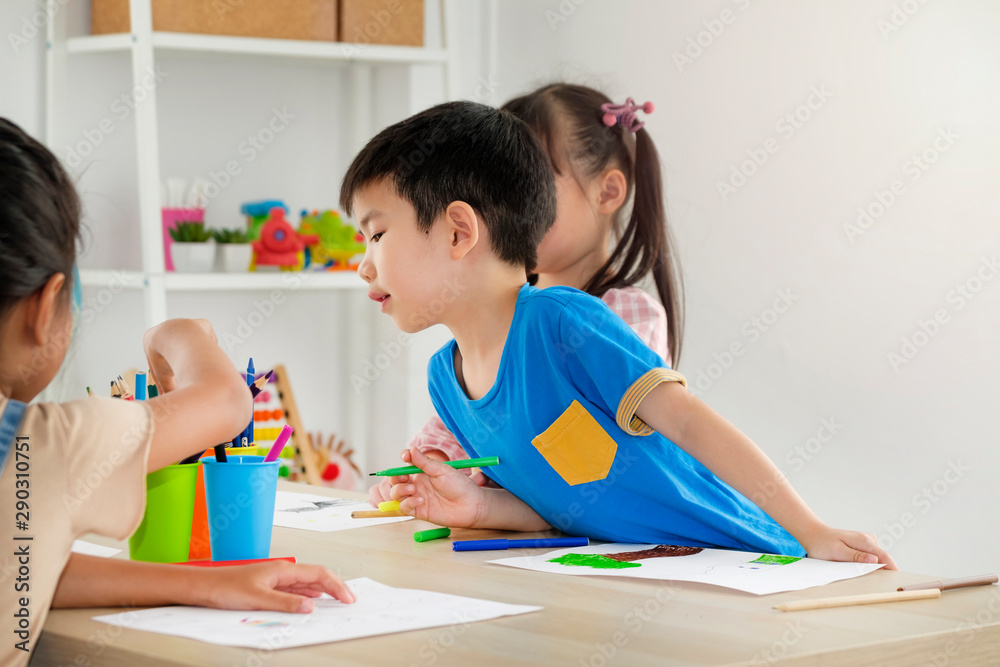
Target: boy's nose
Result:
[[366, 269]]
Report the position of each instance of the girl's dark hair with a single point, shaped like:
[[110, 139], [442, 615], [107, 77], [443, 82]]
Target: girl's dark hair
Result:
[[568, 120], [39, 217]]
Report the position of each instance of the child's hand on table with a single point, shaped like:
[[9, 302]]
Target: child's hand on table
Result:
[[847, 546], [441, 495], [276, 585]]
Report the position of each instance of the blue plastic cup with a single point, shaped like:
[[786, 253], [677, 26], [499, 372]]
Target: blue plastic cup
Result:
[[239, 499]]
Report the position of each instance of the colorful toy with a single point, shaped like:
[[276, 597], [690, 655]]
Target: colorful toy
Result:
[[257, 213], [338, 242], [280, 245], [339, 471]]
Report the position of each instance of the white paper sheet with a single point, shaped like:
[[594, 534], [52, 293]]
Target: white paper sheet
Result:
[[322, 514], [730, 569], [91, 549], [380, 610]]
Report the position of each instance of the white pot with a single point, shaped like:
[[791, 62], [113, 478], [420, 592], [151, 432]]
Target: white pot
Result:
[[233, 257], [193, 257]]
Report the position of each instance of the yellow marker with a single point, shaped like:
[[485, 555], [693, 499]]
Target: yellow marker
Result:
[[388, 506]]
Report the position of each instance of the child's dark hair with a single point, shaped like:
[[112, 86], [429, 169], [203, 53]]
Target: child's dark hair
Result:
[[39, 217], [587, 147], [464, 151]]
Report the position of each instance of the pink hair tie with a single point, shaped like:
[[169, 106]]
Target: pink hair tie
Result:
[[625, 114]]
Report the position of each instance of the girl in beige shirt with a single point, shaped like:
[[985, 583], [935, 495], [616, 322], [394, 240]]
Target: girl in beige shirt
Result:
[[79, 467]]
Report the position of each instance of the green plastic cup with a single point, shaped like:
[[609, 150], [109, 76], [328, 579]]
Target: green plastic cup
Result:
[[164, 536]]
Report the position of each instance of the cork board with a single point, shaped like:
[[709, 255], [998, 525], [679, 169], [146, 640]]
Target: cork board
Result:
[[399, 22], [289, 19]]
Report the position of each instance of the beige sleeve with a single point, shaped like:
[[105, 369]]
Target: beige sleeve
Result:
[[105, 443]]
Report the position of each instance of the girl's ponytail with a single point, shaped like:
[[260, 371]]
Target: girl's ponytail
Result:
[[596, 134], [645, 245]]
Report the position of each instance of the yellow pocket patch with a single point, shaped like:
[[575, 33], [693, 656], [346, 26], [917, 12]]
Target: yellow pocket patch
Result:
[[577, 447]]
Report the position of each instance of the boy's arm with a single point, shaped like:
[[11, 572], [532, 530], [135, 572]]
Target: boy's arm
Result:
[[91, 581], [734, 458]]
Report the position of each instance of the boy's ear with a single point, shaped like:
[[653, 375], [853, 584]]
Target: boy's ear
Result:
[[613, 190], [463, 228]]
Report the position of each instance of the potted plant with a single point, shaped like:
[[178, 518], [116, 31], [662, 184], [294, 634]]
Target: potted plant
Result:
[[234, 250], [192, 249]]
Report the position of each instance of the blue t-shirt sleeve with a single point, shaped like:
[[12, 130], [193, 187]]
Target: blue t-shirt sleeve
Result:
[[607, 362]]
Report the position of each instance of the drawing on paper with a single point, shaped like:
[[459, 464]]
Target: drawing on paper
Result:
[[624, 559]]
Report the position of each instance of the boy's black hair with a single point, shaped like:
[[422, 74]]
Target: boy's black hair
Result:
[[464, 151], [39, 217]]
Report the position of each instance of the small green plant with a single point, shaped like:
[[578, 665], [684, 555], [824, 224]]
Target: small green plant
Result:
[[190, 232], [230, 236]]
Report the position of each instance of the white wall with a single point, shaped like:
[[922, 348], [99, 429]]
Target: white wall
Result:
[[899, 429]]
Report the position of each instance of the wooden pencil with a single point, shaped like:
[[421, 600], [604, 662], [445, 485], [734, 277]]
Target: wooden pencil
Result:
[[851, 600], [375, 514]]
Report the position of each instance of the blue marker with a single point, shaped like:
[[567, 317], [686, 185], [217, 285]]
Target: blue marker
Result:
[[491, 545], [247, 437], [140, 386]]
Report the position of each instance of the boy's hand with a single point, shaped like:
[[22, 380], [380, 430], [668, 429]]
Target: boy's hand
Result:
[[441, 495], [381, 492], [277, 585], [848, 546]]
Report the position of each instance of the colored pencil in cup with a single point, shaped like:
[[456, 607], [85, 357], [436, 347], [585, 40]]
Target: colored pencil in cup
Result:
[[220, 453], [247, 436], [279, 444]]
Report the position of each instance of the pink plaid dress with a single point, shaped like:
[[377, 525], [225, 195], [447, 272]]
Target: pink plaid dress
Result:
[[644, 314]]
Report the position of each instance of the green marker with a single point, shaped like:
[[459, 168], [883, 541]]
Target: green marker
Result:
[[413, 470], [428, 535]]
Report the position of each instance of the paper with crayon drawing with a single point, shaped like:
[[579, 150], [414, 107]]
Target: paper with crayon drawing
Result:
[[380, 610], [756, 573], [321, 513]]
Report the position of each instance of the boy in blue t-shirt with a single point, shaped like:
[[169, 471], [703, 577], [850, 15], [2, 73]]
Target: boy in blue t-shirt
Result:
[[595, 435]]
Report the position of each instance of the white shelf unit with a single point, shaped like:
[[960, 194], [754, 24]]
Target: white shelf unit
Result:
[[142, 45]]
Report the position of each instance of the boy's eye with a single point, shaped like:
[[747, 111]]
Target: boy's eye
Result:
[[375, 237]]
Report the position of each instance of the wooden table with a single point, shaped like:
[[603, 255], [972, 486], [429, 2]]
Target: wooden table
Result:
[[586, 621]]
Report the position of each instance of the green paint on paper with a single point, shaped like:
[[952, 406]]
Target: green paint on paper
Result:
[[593, 560], [770, 559]]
